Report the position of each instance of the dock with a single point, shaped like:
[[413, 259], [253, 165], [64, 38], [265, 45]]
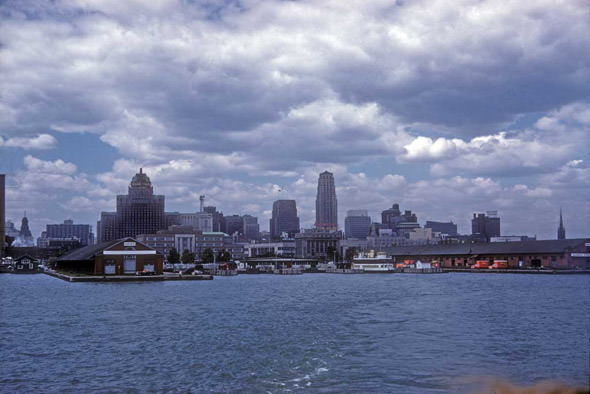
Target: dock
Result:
[[288, 271], [125, 278], [518, 271]]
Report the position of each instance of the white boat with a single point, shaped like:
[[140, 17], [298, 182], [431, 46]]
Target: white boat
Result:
[[368, 262]]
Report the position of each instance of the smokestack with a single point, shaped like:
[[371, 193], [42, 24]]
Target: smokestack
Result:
[[202, 201]]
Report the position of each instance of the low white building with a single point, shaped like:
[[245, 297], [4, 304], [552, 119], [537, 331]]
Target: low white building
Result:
[[423, 265], [283, 248]]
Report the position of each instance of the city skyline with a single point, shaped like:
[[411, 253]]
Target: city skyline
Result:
[[142, 188], [488, 115]]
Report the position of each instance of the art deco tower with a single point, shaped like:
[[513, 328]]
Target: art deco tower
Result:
[[561, 229], [138, 212], [326, 204]]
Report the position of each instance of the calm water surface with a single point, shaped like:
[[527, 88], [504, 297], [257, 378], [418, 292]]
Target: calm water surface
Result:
[[308, 333]]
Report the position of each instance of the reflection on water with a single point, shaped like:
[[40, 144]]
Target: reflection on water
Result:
[[308, 333]]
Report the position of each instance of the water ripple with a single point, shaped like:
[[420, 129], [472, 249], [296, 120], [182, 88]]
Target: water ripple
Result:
[[310, 333]]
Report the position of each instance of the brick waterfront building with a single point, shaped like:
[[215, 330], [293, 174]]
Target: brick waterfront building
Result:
[[554, 254], [125, 256]]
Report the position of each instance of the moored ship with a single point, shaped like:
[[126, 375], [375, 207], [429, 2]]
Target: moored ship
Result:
[[369, 262]]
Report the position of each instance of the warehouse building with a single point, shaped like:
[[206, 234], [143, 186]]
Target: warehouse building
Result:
[[120, 257], [554, 254]]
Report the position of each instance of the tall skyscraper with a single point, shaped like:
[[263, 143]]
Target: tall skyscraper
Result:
[[284, 219], [357, 224], [326, 204], [561, 229], [2, 213], [138, 212]]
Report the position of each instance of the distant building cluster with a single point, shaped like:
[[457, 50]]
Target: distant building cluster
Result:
[[141, 215]]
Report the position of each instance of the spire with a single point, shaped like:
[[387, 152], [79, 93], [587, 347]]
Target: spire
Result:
[[140, 170], [561, 229], [560, 218]]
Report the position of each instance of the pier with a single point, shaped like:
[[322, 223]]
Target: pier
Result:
[[517, 271], [124, 278]]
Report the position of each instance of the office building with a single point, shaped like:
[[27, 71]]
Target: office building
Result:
[[326, 204], [233, 224], [394, 219], [250, 227], [447, 228], [357, 224], [105, 227], [485, 226], [217, 217], [198, 221], [69, 230], [284, 219]]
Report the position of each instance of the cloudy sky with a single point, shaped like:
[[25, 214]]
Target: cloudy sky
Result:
[[447, 107]]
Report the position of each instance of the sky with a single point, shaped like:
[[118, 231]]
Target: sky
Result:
[[445, 107]]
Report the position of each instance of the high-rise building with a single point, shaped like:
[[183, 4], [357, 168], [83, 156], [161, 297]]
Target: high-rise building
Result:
[[357, 224], [561, 229], [217, 224], [394, 219], [105, 227], [199, 221], [448, 228], [326, 204], [284, 219], [233, 224], [2, 213], [250, 227], [138, 212], [70, 230], [485, 226], [389, 216]]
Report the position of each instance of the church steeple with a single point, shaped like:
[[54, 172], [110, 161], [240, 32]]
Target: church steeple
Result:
[[561, 229]]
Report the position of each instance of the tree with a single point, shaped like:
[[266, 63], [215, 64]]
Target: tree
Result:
[[223, 255], [173, 256], [350, 252], [187, 257], [207, 256], [331, 253]]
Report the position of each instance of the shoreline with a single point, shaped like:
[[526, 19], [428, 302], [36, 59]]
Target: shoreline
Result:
[[125, 278], [160, 278]]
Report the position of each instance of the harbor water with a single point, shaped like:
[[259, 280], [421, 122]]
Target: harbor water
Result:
[[294, 333]]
